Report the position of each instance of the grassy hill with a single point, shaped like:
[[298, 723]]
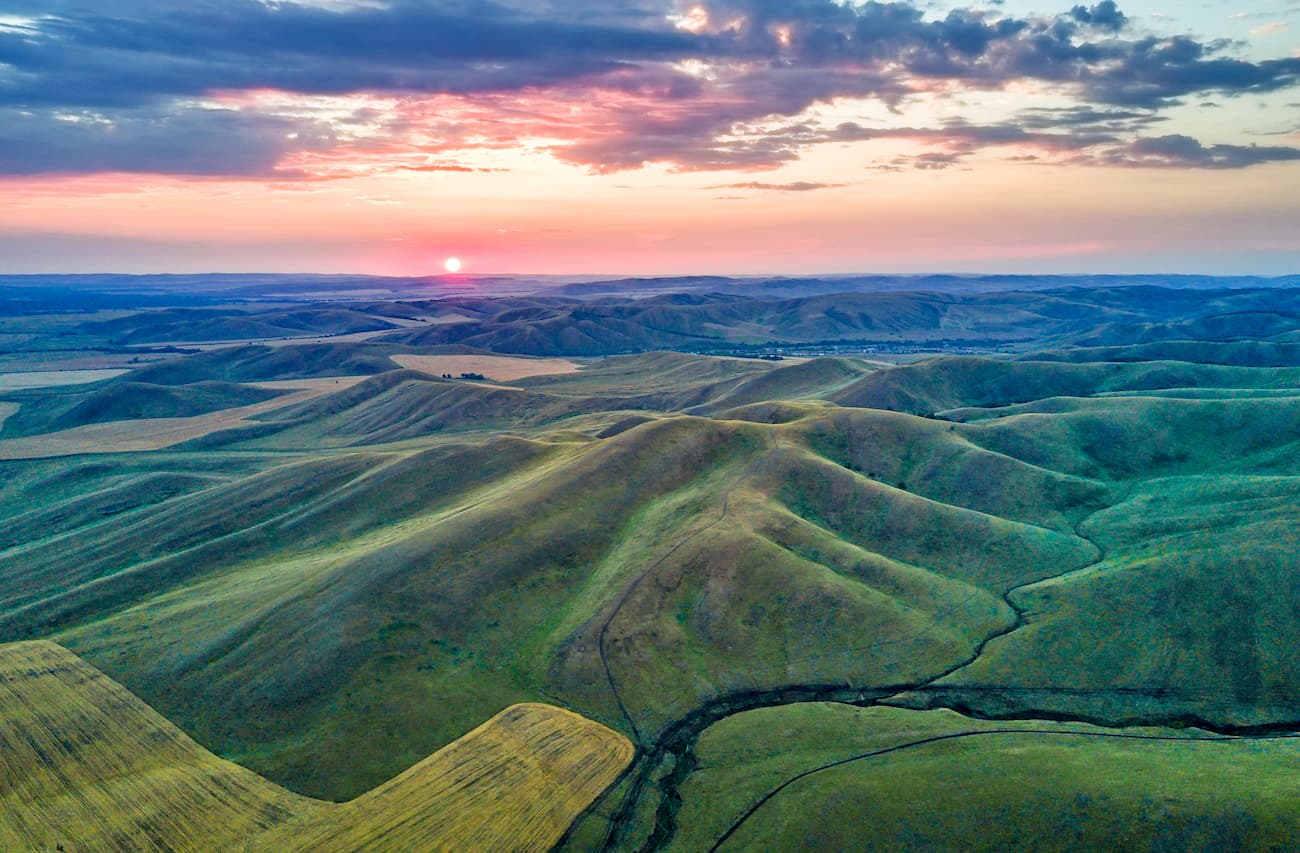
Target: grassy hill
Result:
[[940, 384], [552, 325], [121, 400], [817, 378], [1243, 353], [839, 777], [264, 364], [665, 542], [641, 575], [88, 766], [232, 324], [408, 404], [1236, 326]]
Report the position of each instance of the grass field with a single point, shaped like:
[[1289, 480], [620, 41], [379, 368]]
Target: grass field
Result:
[[937, 781], [87, 766]]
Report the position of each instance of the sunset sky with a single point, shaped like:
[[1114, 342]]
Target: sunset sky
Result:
[[649, 136]]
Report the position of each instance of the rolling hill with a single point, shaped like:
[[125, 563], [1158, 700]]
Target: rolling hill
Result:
[[698, 552], [642, 575], [122, 400], [173, 325], [553, 326], [256, 363]]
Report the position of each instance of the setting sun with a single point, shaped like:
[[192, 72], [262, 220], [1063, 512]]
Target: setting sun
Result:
[[452, 265]]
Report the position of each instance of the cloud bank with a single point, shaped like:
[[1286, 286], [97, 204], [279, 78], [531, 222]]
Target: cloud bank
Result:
[[302, 91]]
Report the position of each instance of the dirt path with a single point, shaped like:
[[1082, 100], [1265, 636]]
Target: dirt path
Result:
[[156, 433]]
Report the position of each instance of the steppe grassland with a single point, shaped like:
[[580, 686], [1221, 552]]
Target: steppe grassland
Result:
[[1049, 786]]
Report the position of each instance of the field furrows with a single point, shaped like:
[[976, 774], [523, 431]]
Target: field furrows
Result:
[[84, 765]]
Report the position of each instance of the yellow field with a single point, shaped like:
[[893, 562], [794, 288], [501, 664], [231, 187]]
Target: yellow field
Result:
[[514, 783], [496, 367], [86, 765]]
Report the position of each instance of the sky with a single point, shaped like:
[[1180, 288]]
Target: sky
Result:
[[649, 137]]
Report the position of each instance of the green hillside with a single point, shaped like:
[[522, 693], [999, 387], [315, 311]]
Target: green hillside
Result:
[[835, 777], [664, 543], [939, 384], [263, 364], [620, 323], [233, 324], [123, 400]]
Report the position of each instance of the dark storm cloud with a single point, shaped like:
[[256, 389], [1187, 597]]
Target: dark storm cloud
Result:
[[140, 66]]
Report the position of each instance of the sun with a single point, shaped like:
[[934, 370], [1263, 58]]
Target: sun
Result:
[[452, 265]]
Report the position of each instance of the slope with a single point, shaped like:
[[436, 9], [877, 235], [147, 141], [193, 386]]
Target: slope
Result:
[[264, 364], [940, 384], [688, 565], [833, 777], [232, 324], [121, 400], [680, 560], [89, 766]]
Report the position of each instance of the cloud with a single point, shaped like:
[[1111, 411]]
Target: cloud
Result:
[[1269, 29], [1183, 152], [1085, 145], [937, 160], [1103, 16], [149, 85], [202, 142]]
